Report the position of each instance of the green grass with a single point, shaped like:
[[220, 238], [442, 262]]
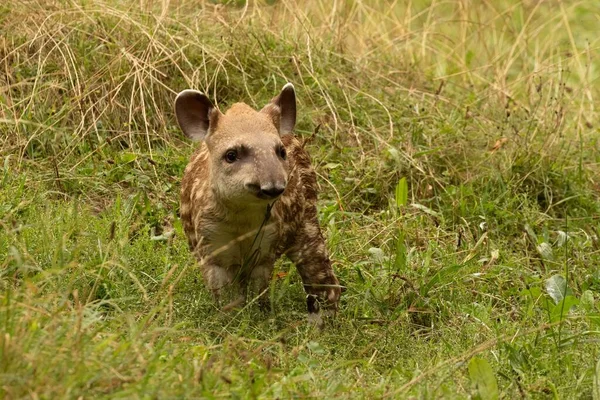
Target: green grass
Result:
[[479, 277]]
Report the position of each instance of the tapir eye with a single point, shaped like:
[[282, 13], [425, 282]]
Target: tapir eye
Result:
[[282, 152], [231, 156]]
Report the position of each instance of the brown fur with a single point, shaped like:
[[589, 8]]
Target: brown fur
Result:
[[231, 232]]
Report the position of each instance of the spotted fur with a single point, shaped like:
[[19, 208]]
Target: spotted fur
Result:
[[236, 223]]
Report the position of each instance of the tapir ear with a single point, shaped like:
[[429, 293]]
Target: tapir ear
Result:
[[282, 110], [196, 115]]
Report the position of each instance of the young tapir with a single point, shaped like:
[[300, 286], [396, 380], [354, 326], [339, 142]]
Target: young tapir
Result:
[[248, 196]]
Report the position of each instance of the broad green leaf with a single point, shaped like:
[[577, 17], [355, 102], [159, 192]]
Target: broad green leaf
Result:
[[587, 300], [401, 193], [128, 157], [315, 347], [377, 254], [562, 238], [562, 309], [395, 154], [482, 377], [400, 260], [163, 237], [545, 250], [332, 165], [556, 286], [533, 293]]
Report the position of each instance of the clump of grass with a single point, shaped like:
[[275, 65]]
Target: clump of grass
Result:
[[487, 111]]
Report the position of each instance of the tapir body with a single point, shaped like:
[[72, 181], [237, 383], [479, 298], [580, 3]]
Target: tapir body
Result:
[[248, 196]]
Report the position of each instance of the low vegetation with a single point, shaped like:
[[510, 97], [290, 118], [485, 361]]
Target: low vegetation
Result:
[[457, 150]]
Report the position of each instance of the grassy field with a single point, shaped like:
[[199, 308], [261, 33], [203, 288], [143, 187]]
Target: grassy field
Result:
[[457, 147]]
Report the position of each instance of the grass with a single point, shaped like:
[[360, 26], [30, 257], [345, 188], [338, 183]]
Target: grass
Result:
[[475, 276]]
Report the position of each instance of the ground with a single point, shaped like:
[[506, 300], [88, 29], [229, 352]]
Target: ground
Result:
[[456, 145]]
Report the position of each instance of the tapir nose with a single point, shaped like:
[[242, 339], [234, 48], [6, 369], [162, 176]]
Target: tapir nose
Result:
[[272, 191], [267, 192]]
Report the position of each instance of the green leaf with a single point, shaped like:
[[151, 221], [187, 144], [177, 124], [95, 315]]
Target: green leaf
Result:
[[128, 157], [400, 259], [164, 237], [401, 193], [395, 154], [556, 286], [378, 255], [531, 233], [587, 300], [315, 347], [332, 165], [562, 309], [482, 377], [545, 250]]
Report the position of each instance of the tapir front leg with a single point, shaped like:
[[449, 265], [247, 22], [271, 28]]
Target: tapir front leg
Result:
[[309, 253]]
